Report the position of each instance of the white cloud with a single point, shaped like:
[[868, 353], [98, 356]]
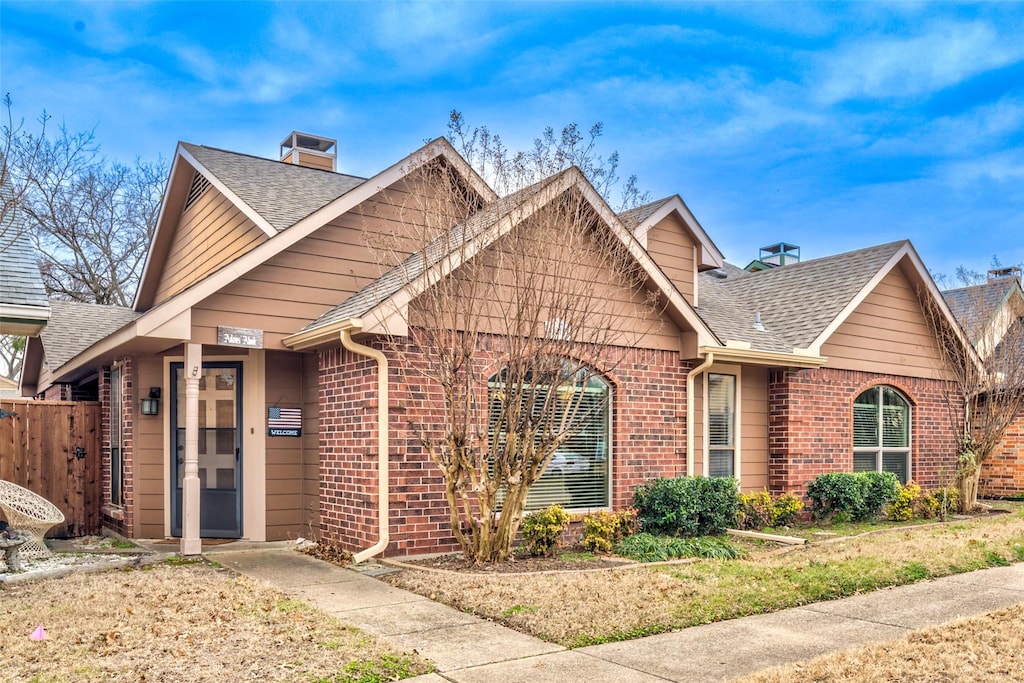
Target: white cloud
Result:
[[943, 55]]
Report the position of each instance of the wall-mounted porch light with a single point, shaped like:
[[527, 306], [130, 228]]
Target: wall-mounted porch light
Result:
[[151, 403]]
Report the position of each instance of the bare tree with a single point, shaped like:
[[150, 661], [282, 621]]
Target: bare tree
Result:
[[985, 358], [521, 304], [91, 220], [506, 170]]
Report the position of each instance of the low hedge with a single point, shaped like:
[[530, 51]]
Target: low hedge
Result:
[[687, 506]]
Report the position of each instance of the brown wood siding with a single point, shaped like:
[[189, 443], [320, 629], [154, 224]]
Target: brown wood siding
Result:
[[886, 334], [285, 464], [754, 428], [698, 424], [310, 160], [317, 273], [148, 466], [211, 233], [632, 321], [670, 246]]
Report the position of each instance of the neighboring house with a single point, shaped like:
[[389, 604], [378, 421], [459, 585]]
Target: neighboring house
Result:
[[258, 327], [24, 309], [8, 388], [988, 311]]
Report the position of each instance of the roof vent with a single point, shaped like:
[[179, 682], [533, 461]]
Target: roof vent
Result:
[[312, 151], [1003, 273]]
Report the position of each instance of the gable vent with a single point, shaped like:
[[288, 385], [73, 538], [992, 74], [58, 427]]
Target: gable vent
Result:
[[199, 187]]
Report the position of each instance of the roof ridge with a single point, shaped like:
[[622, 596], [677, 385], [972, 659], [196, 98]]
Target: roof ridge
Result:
[[268, 159]]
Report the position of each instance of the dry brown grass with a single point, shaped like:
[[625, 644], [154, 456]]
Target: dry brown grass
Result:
[[193, 622], [980, 649], [576, 609]]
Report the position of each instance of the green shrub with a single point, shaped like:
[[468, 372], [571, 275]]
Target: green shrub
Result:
[[644, 547], [904, 506], [787, 507], [687, 506], [880, 490], [843, 495], [602, 530], [542, 529], [759, 509]]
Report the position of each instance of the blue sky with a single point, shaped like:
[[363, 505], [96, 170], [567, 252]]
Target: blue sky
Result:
[[831, 126]]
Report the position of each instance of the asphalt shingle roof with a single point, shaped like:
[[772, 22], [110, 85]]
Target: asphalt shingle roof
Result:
[[635, 217], [796, 302], [975, 306], [20, 281], [282, 193], [75, 326]]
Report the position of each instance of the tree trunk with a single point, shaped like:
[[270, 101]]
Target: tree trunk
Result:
[[968, 474]]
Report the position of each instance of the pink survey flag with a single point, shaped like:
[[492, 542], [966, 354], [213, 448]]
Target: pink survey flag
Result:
[[39, 633]]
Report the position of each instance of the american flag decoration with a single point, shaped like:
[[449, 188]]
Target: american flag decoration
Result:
[[284, 421]]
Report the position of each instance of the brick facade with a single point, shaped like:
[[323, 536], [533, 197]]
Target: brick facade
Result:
[[1002, 473], [119, 518], [811, 425], [648, 441]]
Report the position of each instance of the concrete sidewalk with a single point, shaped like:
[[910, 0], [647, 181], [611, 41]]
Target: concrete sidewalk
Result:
[[466, 649]]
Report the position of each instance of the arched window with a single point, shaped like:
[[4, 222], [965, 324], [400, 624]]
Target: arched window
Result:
[[881, 432], [578, 475]]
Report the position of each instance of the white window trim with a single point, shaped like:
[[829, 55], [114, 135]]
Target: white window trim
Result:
[[877, 451], [737, 372], [609, 484]]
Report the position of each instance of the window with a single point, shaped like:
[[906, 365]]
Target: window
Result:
[[881, 432], [578, 475], [721, 425], [116, 437]]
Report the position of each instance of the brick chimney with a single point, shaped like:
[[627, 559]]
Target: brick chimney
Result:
[[312, 151]]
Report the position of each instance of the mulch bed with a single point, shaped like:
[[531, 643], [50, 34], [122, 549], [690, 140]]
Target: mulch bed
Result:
[[523, 564]]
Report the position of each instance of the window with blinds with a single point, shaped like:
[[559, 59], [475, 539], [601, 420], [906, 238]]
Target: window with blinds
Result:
[[721, 425], [116, 437], [578, 474], [881, 432]]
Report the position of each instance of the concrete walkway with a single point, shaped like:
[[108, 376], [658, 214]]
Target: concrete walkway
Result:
[[466, 649]]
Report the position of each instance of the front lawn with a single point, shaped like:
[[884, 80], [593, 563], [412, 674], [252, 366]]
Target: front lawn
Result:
[[583, 608], [181, 621]]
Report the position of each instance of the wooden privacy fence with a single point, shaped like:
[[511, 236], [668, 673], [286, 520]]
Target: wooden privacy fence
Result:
[[53, 448]]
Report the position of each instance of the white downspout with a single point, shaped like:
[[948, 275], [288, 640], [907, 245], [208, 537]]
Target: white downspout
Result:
[[690, 376], [383, 447]]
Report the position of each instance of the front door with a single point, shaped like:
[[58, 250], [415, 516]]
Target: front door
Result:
[[220, 449]]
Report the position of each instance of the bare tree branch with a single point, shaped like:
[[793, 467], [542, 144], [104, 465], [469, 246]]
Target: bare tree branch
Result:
[[985, 358]]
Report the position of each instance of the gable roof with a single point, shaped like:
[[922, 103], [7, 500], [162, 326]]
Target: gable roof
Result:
[[24, 309], [465, 240], [640, 220], [171, 319], [798, 301], [279, 192], [800, 305], [75, 326], [976, 306]]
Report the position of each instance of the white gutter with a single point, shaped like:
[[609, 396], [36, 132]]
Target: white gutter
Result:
[[383, 447], [690, 376]]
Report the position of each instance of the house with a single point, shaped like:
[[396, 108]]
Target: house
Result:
[[992, 313], [252, 379], [24, 309]]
